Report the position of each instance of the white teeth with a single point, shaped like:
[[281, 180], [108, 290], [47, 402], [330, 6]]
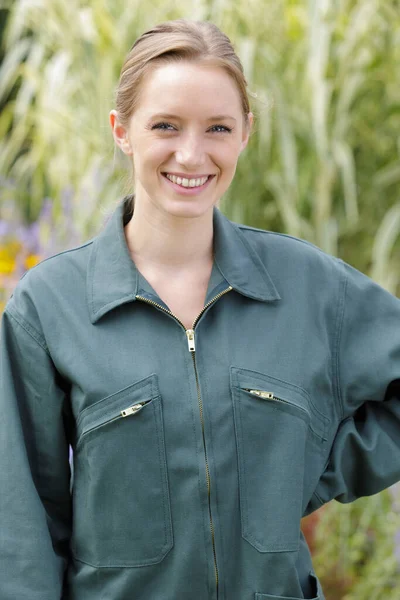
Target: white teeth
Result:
[[184, 182]]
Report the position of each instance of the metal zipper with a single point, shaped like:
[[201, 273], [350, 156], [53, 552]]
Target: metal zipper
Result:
[[271, 396], [190, 334], [261, 394], [135, 408], [130, 410]]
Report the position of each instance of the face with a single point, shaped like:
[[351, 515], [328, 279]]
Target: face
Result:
[[185, 138]]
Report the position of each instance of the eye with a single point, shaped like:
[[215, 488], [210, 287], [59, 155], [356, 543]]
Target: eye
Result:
[[221, 129], [163, 126]]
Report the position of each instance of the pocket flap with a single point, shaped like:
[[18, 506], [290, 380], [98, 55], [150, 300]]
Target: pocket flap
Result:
[[111, 406], [294, 395], [315, 585]]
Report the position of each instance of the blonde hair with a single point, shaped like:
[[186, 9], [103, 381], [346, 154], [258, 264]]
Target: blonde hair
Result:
[[196, 41]]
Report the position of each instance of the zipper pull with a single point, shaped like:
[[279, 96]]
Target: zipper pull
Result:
[[132, 410], [262, 394], [190, 337]]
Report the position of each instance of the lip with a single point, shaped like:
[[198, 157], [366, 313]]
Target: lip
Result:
[[188, 175], [182, 191]]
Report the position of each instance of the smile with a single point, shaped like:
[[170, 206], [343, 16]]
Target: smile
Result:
[[187, 183]]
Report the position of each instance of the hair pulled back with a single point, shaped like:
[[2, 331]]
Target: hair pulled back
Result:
[[198, 41]]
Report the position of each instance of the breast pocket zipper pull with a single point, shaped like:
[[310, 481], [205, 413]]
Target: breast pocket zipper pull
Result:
[[132, 410], [261, 394]]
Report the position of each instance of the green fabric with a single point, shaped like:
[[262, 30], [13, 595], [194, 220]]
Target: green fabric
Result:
[[200, 466]]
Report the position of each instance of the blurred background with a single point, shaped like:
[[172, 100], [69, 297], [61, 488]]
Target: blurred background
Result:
[[323, 164]]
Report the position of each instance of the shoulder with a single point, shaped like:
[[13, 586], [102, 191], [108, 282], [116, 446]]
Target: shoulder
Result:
[[276, 238], [295, 262], [39, 290], [280, 249]]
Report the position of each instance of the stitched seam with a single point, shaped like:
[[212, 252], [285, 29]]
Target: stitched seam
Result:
[[252, 251], [82, 429], [168, 540], [31, 331], [248, 534], [299, 390], [319, 498], [287, 236], [163, 467], [114, 303], [336, 348], [118, 565], [246, 531], [111, 304], [59, 254], [92, 275], [242, 470], [100, 311], [286, 384], [123, 392]]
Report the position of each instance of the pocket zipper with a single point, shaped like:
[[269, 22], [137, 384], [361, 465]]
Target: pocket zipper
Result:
[[271, 396], [126, 412], [262, 394], [135, 408]]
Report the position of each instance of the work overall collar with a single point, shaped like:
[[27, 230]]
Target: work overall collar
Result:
[[113, 279]]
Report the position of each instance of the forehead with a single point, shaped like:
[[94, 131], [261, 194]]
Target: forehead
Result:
[[188, 89]]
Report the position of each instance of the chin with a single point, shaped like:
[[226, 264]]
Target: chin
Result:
[[188, 209]]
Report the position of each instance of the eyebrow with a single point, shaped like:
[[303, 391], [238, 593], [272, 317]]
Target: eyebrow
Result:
[[171, 116]]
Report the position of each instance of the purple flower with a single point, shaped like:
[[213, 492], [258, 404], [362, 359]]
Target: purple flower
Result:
[[28, 235], [4, 228]]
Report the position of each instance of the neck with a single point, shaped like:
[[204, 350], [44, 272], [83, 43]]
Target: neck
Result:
[[162, 240]]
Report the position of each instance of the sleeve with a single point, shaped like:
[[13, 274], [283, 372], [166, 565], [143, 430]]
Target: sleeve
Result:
[[35, 504], [365, 454]]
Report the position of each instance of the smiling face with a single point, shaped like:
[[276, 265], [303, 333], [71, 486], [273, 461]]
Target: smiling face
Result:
[[185, 138]]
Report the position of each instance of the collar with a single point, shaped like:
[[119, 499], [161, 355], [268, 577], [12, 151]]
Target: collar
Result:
[[113, 279]]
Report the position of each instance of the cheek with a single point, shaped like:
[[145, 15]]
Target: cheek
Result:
[[229, 155], [149, 151], [158, 153]]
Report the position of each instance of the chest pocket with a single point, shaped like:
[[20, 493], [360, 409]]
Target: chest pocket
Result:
[[121, 497], [274, 422]]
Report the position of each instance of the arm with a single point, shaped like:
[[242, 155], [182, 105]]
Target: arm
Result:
[[35, 504], [365, 456]]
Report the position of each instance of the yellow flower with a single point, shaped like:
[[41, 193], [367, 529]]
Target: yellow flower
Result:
[[32, 260], [11, 248], [7, 264]]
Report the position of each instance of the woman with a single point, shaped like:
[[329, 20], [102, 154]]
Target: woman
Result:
[[216, 382]]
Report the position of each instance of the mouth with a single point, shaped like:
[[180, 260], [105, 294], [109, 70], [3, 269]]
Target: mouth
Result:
[[189, 183]]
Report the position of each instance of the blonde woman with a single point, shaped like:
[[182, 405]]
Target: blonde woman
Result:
[[216, 382]]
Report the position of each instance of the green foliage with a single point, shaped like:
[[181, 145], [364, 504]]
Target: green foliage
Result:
[[354, 555], [323, 162]]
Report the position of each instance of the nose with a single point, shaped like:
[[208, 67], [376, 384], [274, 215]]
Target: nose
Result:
[[191, 151]]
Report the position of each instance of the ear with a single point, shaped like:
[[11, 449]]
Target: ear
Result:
[[120, 134], [246, 131]]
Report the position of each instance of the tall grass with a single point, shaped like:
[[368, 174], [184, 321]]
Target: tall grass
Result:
[[323, 162]]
